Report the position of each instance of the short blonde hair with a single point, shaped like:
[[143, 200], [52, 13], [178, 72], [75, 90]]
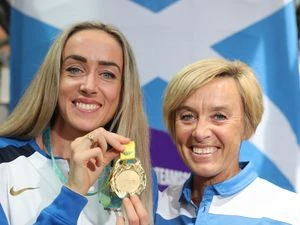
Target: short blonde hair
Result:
[[197, 74]]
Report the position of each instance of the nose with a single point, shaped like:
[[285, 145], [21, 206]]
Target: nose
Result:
[[88, 85], [202, 130]]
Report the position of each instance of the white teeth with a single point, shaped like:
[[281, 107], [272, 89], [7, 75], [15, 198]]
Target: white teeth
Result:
[[88, 107], [208, 150]]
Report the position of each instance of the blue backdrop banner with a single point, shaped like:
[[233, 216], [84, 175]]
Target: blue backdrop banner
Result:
[[169, 34]]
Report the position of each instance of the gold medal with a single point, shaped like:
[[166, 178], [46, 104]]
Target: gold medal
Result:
[[128, 176]]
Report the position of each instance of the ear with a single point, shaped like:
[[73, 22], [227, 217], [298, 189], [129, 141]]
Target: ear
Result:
[[248, 131], [247, 134]]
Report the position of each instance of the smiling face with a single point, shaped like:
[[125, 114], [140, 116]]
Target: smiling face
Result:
[[209, 129], [90, 81]]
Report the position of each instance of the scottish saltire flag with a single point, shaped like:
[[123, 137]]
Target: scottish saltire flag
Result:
[[169, 34]]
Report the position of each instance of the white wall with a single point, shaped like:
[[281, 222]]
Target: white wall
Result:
[[4, 92], [3, 112]]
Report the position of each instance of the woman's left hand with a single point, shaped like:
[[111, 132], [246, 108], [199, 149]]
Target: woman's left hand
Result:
[[136, 213]]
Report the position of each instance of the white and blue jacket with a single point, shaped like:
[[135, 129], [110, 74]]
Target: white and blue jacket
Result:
[[245, 199], [31, 192]]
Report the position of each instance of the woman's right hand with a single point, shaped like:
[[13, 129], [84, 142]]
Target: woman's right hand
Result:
[[89, 156]]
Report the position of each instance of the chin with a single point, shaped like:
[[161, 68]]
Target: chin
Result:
[[85, 128], [204, 171]]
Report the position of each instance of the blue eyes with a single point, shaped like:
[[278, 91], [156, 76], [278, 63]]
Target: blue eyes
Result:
[[108, 75], [75, 71], [219, 117], [189, 117]]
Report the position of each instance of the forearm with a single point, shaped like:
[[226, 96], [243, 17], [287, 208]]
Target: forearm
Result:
[[65, 209], [3, 219]]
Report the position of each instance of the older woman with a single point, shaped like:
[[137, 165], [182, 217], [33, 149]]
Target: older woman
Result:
[[210, 107]]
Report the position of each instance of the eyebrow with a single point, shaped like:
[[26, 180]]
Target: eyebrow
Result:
[[213, 108], [185, 108], [101, 62]]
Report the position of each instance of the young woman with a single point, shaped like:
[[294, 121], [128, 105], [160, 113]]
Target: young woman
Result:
[[58, 145]]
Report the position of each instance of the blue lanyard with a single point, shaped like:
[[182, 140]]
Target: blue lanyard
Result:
[[57, 170]]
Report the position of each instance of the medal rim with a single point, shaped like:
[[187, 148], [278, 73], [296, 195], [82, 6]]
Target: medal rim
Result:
[[121, 168]]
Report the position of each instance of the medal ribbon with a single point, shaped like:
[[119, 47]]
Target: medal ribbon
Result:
[[129, 152]]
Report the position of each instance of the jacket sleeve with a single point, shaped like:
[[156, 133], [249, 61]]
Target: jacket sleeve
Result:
[[154, 192], [3, 219], [64, 210]]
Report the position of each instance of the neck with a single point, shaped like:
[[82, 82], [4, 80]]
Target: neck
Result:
[[200, 183], [61, 137], [197, 192], [60, 145]]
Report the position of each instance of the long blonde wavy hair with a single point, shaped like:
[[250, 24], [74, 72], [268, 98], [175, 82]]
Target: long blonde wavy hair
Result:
[[37, 107]]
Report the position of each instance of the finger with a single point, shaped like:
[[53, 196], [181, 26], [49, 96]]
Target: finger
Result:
[[120, 220], [80, 143], [107, 157], [139, 209], [85, 156], [83, 143], [132, 216], [90, 137], [90, 140], [104, 137], [96, 156], [99, 159], [101, 141]]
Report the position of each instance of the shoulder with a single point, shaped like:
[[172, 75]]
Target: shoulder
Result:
[[267, 193], [169, 198], [270, 193], [269, 189], [278, 202], [10, 149], [172, 208], [6, 142], [260, 199], [171, 192]]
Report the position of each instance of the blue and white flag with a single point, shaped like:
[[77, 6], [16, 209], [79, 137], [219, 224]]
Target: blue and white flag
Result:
[[169, 34]]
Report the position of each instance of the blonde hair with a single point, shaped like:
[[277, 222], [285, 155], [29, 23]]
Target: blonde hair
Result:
[[197, 74], [37, 107]]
